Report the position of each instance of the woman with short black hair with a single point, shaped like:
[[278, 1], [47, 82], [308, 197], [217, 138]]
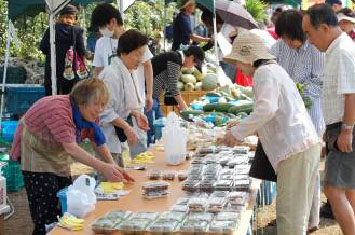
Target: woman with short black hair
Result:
[[125, 101]]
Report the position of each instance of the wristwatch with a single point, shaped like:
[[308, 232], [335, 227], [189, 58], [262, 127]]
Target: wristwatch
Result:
[[347, 126]]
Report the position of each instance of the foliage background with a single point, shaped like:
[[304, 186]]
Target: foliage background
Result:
[[145, 16]]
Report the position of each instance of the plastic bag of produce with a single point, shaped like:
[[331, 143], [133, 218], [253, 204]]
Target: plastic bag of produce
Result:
[[81, 198], [175, 140]]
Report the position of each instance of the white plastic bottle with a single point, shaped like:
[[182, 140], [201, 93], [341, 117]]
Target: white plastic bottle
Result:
[[2, 189]]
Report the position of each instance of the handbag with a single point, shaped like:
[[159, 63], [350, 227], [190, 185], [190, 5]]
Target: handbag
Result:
[[75, 67], [261, 167], [169, 99], [120, 132]]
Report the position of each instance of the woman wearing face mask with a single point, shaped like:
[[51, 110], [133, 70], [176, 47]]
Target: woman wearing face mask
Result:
[[285, 130], [110, 24], [64, 38], [125, 100]]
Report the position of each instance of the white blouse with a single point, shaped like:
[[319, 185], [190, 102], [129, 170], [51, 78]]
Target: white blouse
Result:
[[124, 98], [280, 118]]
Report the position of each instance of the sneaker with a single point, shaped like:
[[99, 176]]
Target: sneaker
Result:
[[326, 211]]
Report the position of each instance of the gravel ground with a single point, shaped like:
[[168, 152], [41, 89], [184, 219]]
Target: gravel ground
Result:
[[268, 214]]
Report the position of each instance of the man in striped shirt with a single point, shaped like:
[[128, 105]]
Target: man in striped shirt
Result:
[[304, 63]]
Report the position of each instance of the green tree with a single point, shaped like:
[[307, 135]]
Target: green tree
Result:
[[257, 9]]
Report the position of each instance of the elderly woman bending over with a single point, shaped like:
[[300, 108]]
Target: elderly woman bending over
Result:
[[47, 139]]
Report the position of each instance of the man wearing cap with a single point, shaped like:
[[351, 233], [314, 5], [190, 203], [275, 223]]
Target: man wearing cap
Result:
[[64, 39], [182, 31], [167, 70], [285, 130], [321, 25]]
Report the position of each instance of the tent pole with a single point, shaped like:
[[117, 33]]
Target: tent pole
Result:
[[165, 23], [53, 55], [83, 22], [6, 63], [215, 38], [120, 8]]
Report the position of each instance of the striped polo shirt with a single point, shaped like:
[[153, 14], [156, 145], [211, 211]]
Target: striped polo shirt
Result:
[[166, 72]]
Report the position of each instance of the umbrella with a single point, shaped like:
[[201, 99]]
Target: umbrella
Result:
[[235, 14]]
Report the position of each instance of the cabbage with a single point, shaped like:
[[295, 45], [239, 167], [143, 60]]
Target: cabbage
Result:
[[210, 82]]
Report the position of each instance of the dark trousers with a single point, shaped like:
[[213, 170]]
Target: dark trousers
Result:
[[64, 87], [42, 188]]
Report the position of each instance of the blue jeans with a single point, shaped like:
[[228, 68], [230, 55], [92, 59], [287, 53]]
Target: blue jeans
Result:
[[152, 115]]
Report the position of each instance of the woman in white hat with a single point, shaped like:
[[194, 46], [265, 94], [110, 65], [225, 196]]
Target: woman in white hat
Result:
[[346, 19], [285, 130]]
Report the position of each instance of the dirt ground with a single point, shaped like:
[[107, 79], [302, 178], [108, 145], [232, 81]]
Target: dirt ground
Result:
[[20, 223]]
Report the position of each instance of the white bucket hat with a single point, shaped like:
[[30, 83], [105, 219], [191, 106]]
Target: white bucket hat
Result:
[[341, 16], [250, 47]]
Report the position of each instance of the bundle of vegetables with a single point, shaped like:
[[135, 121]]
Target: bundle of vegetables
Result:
[[218, 118], [224, 102], [192, 79], [304, 92]]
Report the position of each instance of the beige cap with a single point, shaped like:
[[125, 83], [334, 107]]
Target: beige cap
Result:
[[341, 16], [248, 48]]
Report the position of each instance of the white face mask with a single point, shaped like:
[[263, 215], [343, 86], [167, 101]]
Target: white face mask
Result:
[[106, 32]]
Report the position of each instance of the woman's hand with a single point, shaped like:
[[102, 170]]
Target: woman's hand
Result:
[[148, 103], [114, 173], [131, 135], [182, 106], [232, 123], [230, 140], [142, 121]]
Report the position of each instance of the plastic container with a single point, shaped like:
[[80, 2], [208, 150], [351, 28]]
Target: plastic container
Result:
[[222, 227], [118, 214], [13, 174], [163, 226], [134, 225], [105, 225], [169, 175], [194, 226], [197, 204], [200, 216], [144, 215], [158, 127], [19, 98], [172, 216], [62, 195], [154, 174], [227, 216], [268, 193], [8, 129]]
